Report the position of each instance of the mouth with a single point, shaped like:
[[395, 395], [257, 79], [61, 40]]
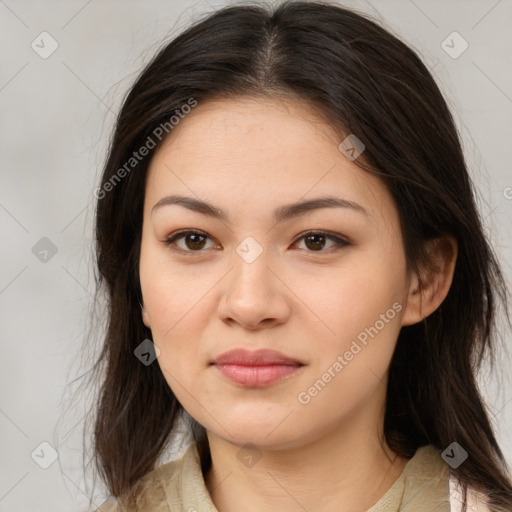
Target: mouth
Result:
[[256, 368]]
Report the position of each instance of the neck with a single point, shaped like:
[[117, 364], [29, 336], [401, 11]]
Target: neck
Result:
[[348, 465]]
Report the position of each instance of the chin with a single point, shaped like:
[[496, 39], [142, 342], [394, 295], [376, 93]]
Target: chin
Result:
[[259, 434]]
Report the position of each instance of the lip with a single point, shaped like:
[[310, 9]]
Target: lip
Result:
[[257, 368], [260, 357]]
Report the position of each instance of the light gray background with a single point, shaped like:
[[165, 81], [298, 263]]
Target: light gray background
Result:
[[56, 117]]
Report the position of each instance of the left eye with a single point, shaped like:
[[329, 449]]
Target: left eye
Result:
[[315, 240], [195, 241]]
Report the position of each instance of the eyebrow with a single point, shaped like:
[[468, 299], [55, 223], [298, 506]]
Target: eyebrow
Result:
[[280, 214]]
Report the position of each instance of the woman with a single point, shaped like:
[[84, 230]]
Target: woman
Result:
[[293, 259]]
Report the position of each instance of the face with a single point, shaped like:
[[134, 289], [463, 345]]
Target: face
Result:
[[324, 286]]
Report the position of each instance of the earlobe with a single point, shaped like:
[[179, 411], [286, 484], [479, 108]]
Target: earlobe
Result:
[[427, 291], [145, 316]]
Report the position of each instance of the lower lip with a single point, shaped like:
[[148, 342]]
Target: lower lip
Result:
[[256, 376]]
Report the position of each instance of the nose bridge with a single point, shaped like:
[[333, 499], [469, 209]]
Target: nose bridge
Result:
[[253, 292], [251, 278]]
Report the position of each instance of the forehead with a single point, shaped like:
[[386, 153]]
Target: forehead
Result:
[[257, 152]]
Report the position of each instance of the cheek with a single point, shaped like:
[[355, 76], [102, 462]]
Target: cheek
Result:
[[354, 298], [350, 365], [168, 292], [179, 302]]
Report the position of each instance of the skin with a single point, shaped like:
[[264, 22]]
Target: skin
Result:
[[248, 156]]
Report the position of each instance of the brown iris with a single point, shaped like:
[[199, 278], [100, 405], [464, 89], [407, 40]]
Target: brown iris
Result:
[[315, 242], [195, 241]]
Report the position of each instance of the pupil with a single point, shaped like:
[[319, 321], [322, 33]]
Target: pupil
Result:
[[316, 244], [197, 244]]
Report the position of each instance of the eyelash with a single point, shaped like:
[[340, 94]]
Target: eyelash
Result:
[[340, 242]]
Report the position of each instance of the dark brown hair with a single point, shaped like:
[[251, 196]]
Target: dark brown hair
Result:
[[365, 81]]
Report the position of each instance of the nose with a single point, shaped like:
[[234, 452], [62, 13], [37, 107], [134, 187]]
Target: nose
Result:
[[255, 295]]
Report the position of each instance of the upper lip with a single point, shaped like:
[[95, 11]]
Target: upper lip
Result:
[[260, 357]]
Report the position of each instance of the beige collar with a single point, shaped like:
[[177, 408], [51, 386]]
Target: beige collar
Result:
[[179, 485]]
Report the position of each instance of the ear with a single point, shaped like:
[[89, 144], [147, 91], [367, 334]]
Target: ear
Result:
[[428, 290], [145, 316]]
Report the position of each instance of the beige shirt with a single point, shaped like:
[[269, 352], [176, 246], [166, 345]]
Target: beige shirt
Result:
[[425, 485]]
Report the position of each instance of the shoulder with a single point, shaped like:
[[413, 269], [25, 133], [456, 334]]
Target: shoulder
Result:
[[428, 462], [158, 490], [476, 501]]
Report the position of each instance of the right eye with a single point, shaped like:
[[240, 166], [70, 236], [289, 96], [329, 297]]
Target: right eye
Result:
[[194, 241]]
